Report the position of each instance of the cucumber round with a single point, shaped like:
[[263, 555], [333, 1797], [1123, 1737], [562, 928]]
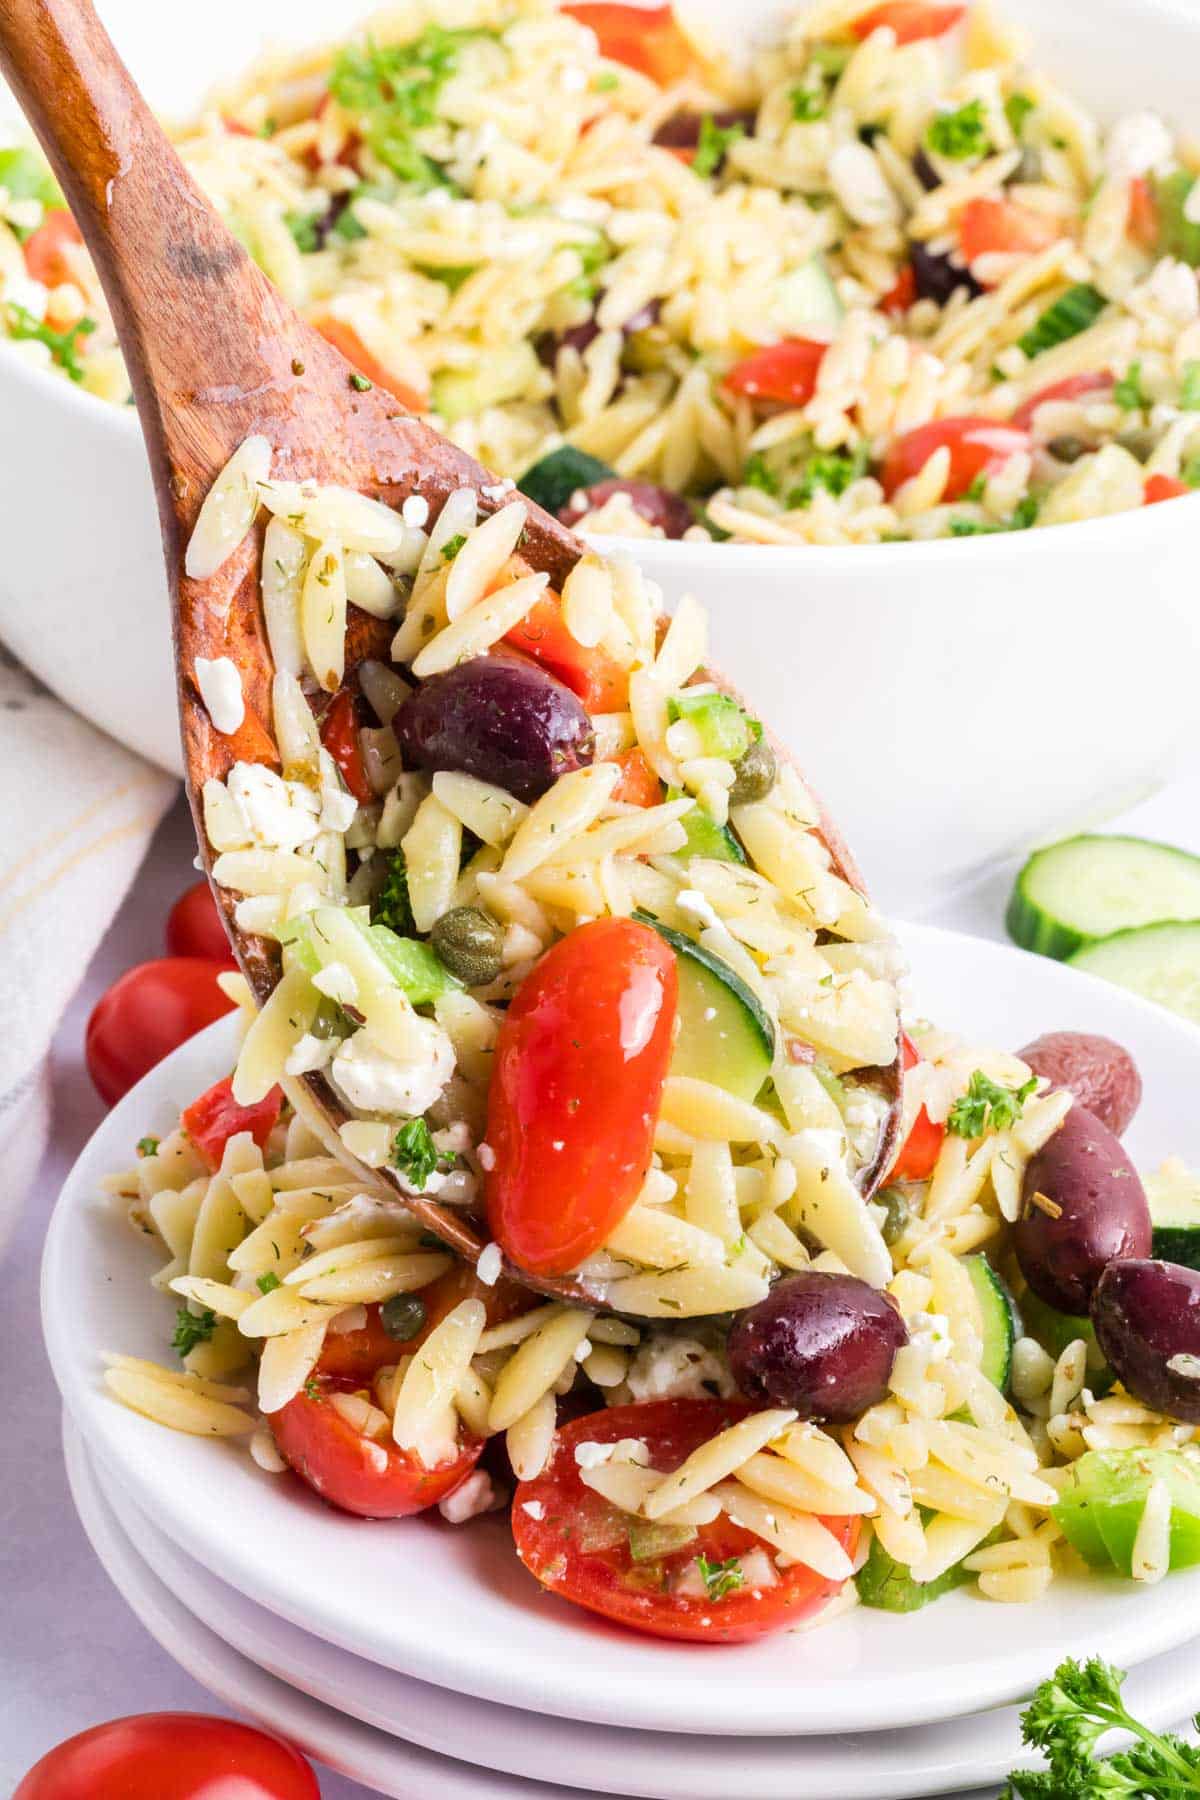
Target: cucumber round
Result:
[[1089, 887], [561, 473], [1173, 1195], [1000, 1322], [725, 1033], [1159, 962]]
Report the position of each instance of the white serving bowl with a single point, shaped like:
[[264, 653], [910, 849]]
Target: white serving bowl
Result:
[[953, 702]]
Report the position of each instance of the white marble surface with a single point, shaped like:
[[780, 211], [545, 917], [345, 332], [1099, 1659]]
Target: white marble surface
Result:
[[71, 1653]]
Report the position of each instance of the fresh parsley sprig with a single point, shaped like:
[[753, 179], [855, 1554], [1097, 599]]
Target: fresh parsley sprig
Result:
[[721, 1578], [986, 1106], [1068, 1717], [192, 1329], [62, 345], [416, 1155]]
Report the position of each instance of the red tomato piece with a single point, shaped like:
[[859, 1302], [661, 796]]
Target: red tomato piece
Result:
[[920, 1149], [576, 1086], [976, 446], [647, 38], [46, 248], [148, 1012], [1164, 487], [902, 294], [911, 20], [987, 226], [343, 337], [339, 734], [1069, 388], [353, 1472], [1143, 223], [639, 785], [785, 372], [195, 928], [171, 1756], [598, 679], [215, 1117], [577, 1545], [359, 1355]]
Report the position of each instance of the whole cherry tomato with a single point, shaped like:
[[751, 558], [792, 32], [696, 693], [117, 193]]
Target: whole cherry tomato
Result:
[[148, 1012], [195, 928], [576, 1087], [976, 446], [212, 1119], [171, 1756], [784, 372]]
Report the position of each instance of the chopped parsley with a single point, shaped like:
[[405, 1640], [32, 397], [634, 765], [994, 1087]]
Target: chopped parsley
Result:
[[391, 905], [759, 474], [976, 489], [986, 1106], [1017, 109], [415, 1154], [829, 470], [714, 143], [360, 384], [959, 135], [1189, 393], [606, 81], [311, 1390], [303, 227], [452, 546], [192, 1329], [62, 345], [147, 1146], [1128, 391], [721, 1578], [393, 91], [266, 1284], [1023, 515], [808, 103]]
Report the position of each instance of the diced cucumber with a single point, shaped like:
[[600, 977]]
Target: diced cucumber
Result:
[[552, 481], [504, 374], [416, 970], [1064, 318], [1000, 1322], [806, 301], [884, 1583], [25, 176], [705, 837], [1089, 887], [1100, 1506], [1054, 1330], [1173, 1195], [648, 1539], [723, 727], [725, 1034], [1178, 235], [1159, 962]]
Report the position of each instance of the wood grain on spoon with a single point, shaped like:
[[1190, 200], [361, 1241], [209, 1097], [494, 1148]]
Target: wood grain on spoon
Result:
[[216, 355]]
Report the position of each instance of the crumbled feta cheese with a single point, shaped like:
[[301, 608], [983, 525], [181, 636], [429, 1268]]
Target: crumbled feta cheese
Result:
[[415, 511], [336, 981], [589, 1455], [278, 814], [475, 1495], [689, 900], [372, 1081], [497, 490], [487, 1158], [1137, 144], [489, 1265], [534, 1508], [930, 1332], [1172, 286], [309, 1053], [677, 1368], [221, 691]]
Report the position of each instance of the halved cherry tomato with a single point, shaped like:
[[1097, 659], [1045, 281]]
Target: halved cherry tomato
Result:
[[989, 226], [785, 372], [920, 1149], [359, 1355], [577, 1082], [339, 734], [212, 1119], [343, 337], [148, 1012], [194, 926], [577, 1545], [353, 1472], [171, 1756], [235, 128], [902, 294], [45, 248], [1069, 388], [646, 38], [598, 679], [1144, 223], [976, 446], [1164, 487], [639, 785], [911, 20]]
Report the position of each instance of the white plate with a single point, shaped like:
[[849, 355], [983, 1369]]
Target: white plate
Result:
[[925, 1759], [456, 1608]]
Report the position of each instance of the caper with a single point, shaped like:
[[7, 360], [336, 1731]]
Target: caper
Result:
[[1029, 169], [470, 943], [897, 1214], [646, 351], [754, 775], [402, 1316], [1068, 449]]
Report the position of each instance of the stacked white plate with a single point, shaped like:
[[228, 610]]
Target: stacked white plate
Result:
[[388, 1650]]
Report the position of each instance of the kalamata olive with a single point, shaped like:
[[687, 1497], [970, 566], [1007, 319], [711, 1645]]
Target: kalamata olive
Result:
[[579, 337], [1101, 1075], [754, 774], [657, 505], [1147, 1319], [682, 130], [938, 276], [1082, 1206], [824, 1344], [500, 719], [470, 944]]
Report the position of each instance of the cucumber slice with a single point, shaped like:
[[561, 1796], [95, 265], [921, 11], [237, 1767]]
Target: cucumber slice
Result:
[[1090, 887], [705, 837], [884, 1583], [807, 300], [1173, 1194], [725, 1035], [1000, 1323], [1159, 962], [1100, 1507], [551, 482]]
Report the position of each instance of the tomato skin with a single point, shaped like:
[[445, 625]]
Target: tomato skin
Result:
[[195, 927], [358, 1356], [639, 785], [602, 1578], [987, 226], [171, 1756], [45, 248], [911, 20], [785, 372], [902, 294], [1144, 223], [343, 337], [921, 1148], [976, 446], [576, 1086], [1069, 388], [595, 676], [646, 38], [351, 1472], [146, 1013], [1164, 487], [215, 1116], [339, 734]]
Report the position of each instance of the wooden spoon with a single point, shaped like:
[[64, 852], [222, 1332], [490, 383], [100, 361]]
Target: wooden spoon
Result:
[[216, 355]]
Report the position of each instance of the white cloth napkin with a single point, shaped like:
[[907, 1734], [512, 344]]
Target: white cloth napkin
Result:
[[77, 812]]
